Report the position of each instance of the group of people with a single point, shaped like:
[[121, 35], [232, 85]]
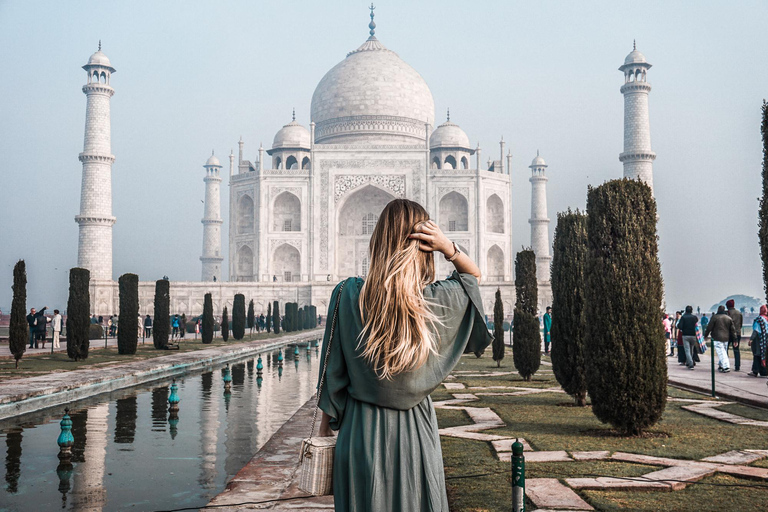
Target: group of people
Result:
[[38, 327], [687, 333]]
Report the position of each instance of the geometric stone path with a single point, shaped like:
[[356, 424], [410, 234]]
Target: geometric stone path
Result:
[[549, 494]]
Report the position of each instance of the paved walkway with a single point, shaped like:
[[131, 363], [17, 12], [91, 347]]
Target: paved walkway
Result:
[[734, 385], [95, 345], [20, 396]]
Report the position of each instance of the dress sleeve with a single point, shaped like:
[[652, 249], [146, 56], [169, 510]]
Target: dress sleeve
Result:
[[333, 393]]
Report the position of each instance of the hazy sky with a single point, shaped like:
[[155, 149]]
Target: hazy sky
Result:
[[195, 76]]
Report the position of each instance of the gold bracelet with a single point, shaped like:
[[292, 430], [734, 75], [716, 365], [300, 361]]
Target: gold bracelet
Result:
[[456, 253]]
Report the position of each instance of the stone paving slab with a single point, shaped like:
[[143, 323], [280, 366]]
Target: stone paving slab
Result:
[[709, 409], [21, 396], [679, 477], [616, 484], [736, 457], [548, 456], [453, 385], [506, 445], [593, 455], [551, 494]]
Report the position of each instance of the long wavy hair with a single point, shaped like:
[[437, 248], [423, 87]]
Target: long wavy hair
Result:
[[396, 335]]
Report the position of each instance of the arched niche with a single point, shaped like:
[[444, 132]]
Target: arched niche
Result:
[[454, 212], [435, 163], [291, 163], [495, 264], [450, 162], [305, 163], [245, 263], [286, 263], [286, 213], [494, 214], [464, 163], [245, 215], [356, 218]]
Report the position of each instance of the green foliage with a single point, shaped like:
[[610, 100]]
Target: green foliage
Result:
[[128, 334], [238, 317], [225, 325], [763, 213], [95, 332], [568, 332], [302, 318], [276, 317], [288, 317], [207, 325], [18, 335], [183, 325], [498, 329], [161, 327], [268, 320], [251, 315], [627, 374], [526, 346], [78, 314], [312, 317]]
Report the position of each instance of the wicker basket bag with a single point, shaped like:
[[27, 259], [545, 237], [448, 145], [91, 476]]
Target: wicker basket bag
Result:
[[316, 459]]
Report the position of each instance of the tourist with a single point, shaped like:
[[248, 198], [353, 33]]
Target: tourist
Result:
[[738, 320], [141, 326], [681, 359], [704, 322], [94, 320], [721, 327], [547, 329], [675, 335], [147, 326], [175, 326], [41, 329], [404, 317], [319, 319], [687, 326], [32, 322], [758, 342], [56, 325], [667, 323]]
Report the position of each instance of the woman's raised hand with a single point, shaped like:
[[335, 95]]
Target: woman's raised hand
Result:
[[431, 238]]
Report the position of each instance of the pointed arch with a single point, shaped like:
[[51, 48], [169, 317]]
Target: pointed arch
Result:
[[245, 215], [494, 214], [278, 162], [495, 264], [291, 163], [450, 162], [435, 163], [454, 212], [305, 164], [464, 163], [286, 263], [286, 212], [244, 263]]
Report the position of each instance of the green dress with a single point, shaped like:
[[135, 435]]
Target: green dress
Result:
[[388, 454]]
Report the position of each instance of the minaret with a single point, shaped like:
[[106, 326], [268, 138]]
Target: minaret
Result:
[[94, 248], [540, 227], [637, 156], [211, 257]]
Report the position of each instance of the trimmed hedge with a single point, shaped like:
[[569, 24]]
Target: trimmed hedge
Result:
[[498, 329], [18, 334], [207, 324], [78, 314], [569, 326], [276, 317], [128, 334], [251, 315], [269, 318], [763, 212], [238, 317], [627, 377], [526, 346], [225, 325]]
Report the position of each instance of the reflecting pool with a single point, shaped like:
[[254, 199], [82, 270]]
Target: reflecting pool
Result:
[[129, 453]]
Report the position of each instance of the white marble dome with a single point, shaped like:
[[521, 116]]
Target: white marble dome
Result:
[[449, 135], [99, 59], [635, 57], [372, 94], [212, 162], [293, 135], [538, 162]]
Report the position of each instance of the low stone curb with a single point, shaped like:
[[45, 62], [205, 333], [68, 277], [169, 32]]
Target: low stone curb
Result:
[[21, 396]]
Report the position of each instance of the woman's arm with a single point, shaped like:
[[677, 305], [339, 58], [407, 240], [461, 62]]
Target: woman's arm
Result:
[[325, 426], [432, 239]]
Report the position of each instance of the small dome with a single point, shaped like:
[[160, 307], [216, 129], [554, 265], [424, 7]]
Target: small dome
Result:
[[293, 135], [99, 59], [212, 161], [449, 135], [538, 161], [635, 57]]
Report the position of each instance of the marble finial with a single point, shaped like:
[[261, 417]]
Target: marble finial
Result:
[[372, 24]]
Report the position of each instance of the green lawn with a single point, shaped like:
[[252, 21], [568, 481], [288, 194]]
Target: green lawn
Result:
[[548, 422], [33, 365]]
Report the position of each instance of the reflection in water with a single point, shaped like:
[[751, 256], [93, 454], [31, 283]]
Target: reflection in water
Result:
[[13, 460], [159, 408], [171, 464], [125, 420]]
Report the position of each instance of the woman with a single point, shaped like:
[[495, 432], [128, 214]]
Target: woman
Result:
[[398, 335], [758, 342]]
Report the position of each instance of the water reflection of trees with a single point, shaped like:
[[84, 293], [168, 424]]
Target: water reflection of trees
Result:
[[238, 374], [126, 410], [13, 459], [79, 432]]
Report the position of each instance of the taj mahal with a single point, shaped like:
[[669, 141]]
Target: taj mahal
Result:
[[302, 211]]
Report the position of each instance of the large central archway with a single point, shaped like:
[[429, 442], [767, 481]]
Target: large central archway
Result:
[[286, 263], [355, 220]]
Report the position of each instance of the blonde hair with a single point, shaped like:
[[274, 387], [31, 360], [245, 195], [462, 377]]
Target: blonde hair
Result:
[[396, 316]]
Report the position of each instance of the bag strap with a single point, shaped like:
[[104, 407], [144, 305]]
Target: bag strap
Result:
[[327, 354]]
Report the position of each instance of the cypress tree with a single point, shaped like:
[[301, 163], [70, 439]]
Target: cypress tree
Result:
[[526, 347], [314, 315], [225, 324], [238, 317], [18, 335], [301, 319], [268, 320], [627, 378], [162, 324], [207, 327], [287, 317], [78, 313], [128, 334], [276, 317], [568, 322], [251, 316], [183, 325], [763, 213], [498, 329]]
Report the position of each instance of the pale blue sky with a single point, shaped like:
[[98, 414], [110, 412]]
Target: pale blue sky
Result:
[[194, 76]]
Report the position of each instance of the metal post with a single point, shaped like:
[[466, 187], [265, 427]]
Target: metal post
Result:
[[712, 355], [518, 477]]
